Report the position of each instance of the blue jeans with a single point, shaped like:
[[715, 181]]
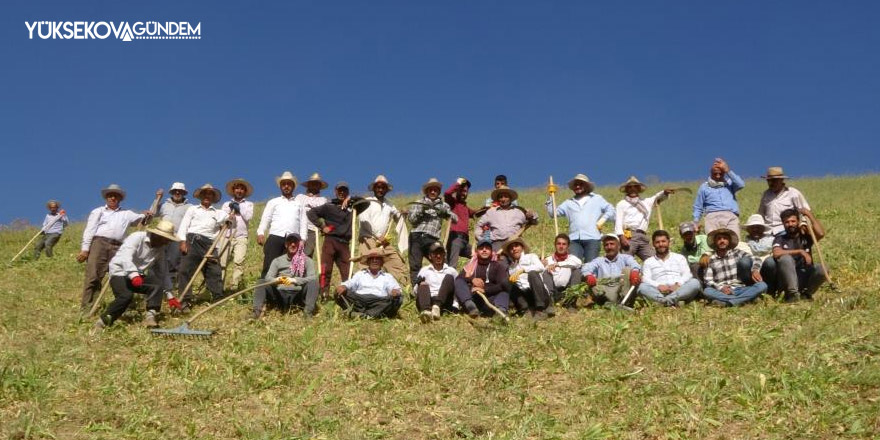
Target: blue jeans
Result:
[[586, 250], [686, 292], [739, 295]]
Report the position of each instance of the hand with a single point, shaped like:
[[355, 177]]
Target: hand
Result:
[[704, 261], [600, 223], [147, 216], [62, 213], [551, 267], [478, 283], [591, 280], [431, 212], [327, 229], [664, 289], [727, 290], [183, 248], [160, 192], [514, 276], [82, 256], [261, 239], [552, 188], [634, 277], [384, 241], [283, 280], [808, 259], [668, 191], [756, 276], [137, 281], [624, 242], [345, 202], [395, 293], [721, 163], [174, 303], [340, 290]]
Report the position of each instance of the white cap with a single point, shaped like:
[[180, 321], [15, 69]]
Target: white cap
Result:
[[178, 185]]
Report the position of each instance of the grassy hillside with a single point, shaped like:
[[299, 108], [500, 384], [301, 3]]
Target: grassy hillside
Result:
[[769, 370]]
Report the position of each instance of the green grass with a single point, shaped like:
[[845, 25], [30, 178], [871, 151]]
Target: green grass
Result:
[[769, 370]]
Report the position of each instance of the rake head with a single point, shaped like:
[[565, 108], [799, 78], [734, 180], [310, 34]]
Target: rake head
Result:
[[182, 331]]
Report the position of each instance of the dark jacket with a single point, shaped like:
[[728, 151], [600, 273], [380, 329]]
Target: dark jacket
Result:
[[494, 273], [333, 215]]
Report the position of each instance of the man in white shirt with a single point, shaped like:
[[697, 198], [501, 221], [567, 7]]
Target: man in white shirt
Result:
[[374, 228], [198, 230], [311, 199], [435, 285], [372, 292], [138, 267], [281, 216], [102, 236], [528, 289], [563, 269], [633, 214], [173, 210], [666, 277], [777, 198], [235, 240]]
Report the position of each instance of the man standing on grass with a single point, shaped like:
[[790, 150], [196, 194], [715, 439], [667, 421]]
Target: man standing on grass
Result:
[[235, 241], [666, 277], [102, 236], [797, 274], [505, 221], [435, 285], [587, 212], [53, 226], [198, 230], [311, 199], [632, 216], [426, 216], [173, 210], [458, 244], [716, 198], [334, 219], [723, 285], [374, 225], [372, 292], [281, 216], [301, 286], [139, 267], [528, 281], [777, 198], [617, 272]]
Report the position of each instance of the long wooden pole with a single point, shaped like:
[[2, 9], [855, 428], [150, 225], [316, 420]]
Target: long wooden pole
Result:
[[182, 293], [819, 253], [555, 220], [351, 245]]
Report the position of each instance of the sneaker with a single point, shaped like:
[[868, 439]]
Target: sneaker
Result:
[[435, 312], [425, 316], [99, 326], [151, 320], [550, 311], [539, 315]]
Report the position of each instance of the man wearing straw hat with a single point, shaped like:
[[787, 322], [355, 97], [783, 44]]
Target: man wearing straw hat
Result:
[[301, 288], [777, 198], [716, 198], [102, 236], [632, 216], [426, 216], [138, 267], [281, 216], [458, 244], [759, 242], [529, 283], [53, 226], [724, 288], [586, 212], [197, 233], [371, 292], [235, 240], [374, 224], [173, 210], [334, 219], [619, 273], [505, 221], [798, 276], [311, 199]]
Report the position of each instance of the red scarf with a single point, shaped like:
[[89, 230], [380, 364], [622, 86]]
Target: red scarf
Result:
[[559, 257]]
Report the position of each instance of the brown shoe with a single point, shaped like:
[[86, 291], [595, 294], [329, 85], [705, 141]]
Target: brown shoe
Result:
[[150, 320]]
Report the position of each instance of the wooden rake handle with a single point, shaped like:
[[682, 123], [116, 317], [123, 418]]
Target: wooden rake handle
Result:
[[492, 306], [228, 298], [204, 260]]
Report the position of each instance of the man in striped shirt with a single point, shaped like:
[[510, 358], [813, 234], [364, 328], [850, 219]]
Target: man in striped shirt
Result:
[[723, 285]]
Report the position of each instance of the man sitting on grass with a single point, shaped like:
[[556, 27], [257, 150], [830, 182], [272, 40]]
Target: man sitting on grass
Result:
[[798, 277], [666, 277], [435, 285], [483, 274], [723, 286], [371, 292], [618, 271], [527, 280], [563, 268], [301, 289]]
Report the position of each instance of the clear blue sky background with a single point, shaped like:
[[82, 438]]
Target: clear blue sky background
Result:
[[444, 88]]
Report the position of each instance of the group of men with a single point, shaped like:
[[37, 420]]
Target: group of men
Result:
[[303, 236]]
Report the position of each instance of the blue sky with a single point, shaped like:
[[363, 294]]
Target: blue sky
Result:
[[419, 89]]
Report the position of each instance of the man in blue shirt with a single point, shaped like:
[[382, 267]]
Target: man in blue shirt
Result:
[[618, 271], [586, 213], [716, 198]]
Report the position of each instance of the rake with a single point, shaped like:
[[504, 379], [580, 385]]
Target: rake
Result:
[[185, 331]]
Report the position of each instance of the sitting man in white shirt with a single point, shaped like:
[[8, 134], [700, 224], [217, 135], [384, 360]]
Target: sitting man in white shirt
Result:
[[435, 285], [371, 292], [198, 231], [563, 269], [666, 277], [527, 282]]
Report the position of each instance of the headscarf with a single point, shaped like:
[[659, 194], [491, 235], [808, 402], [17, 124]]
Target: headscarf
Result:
[[298, 261], [471, 266]]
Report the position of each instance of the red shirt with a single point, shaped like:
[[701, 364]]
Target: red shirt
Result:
[[461, 210]]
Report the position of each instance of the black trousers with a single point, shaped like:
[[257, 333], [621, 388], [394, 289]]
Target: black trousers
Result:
[[444, 297], [419, 243], [198, 247], [369, 305], [536, 297], [273, 248], [123, 293]]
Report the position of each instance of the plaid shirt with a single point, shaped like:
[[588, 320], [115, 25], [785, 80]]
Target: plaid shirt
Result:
[[722, 270], [427, 216]]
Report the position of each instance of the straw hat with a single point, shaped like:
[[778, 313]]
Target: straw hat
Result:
[[507, 244], [287, 175], [432, 182], [248, 188], [372, 253], [178, 186], [632, 181], [53, 202], [316, 178], [114, 189], [775, 173], [380, 179], [504, 189], [734, 237], [164, 228], [756, 220], [582, 178], [208, 187]]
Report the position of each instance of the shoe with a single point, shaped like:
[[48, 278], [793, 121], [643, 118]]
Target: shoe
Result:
[[539, 315], [435, 312], [550, 311], [471, 309], [425, 316], [185, 308], [151, 320], [99, 326], [716, 303]]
